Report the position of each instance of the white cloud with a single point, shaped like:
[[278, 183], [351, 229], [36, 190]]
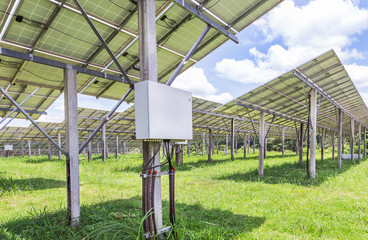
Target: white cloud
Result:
[[305, 32], [194, 80], [358, 74], [365, 97]]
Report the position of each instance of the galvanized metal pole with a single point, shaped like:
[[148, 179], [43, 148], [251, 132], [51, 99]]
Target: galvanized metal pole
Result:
[[313, 133], [261, 142], [148, 72], [339, 143], [29, 148], [333, 135], [22, 148], [232, 138], [49, 150], [188, 148], [343, 143], [323, 132], [359, 140], [300, 147], [209, 145], [59, 142], [283, 141], [116, 146], [245, 145], [227, 144], [265, 148], [71, 145], [352, 124], [89, 148], [103, 142]]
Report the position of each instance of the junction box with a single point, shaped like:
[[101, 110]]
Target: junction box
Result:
[[162, 112]]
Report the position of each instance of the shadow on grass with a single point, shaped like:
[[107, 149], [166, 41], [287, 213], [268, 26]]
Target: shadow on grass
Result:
[[43, 159], [203, 161], [120, 219], [11, 185], [293, 173]]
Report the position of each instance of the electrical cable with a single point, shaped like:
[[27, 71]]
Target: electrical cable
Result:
[[119, 6]]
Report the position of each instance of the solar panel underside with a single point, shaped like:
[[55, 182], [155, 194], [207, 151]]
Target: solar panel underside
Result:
[[70, 39]]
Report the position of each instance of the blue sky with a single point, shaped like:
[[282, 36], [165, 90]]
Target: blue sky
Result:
[[289, 35]]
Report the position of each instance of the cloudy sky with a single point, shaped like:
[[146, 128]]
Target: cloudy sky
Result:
[[288, 36]]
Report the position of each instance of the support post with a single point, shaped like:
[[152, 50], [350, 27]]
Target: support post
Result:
[[283, 141], [265, 148], [248, 144], [148, 72], [196, 147], [29, 148], [49, 150], [210, 145], [261, 142], [89, 148], [22, 148], [104, 145], [116, 146], [188, 148], [301, 138], [245, 145], [352, 123], [59, 142], [254, 144], [323, 132], [226, 144], [333, 136], [343, 143], [232, 138], [339, 143], [365, 143], [124, 147], [313, 133], [203, 143], [359, 140], [71, 144]]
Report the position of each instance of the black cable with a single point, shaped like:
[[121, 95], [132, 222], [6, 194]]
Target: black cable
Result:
[[208, 8], [119, 6]]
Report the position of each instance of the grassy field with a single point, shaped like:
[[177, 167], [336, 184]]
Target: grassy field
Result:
[[221, 200]]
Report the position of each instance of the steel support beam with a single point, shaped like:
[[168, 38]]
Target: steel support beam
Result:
[[104, 143], [116, 146], [29, 148], [206, 19], [232, 138], [210, 145], [17, 111], [333, 140], [245, 145], [261, 142], [59, 142], [301, 143], [352, 125], [339, 143], [313, 133], [323, 134], [71, 145]]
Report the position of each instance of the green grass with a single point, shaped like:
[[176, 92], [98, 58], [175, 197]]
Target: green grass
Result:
[[221, 200]]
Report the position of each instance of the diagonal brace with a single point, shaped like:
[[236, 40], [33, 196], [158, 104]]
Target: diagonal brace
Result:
[[31, 119], [125, 75]]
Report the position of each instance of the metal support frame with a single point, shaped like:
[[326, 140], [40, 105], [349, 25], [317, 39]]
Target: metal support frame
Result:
[[245, 145], [301, 143], [313, 133], [333, 140], [209, 145], [71, 145], [261, 143], [30, 118], [117, 146], [359, 140], [232, 138], [27, 111], [188, 56], [206, 19], [352, 124], [339, 141], [323, 133], [59, 142], [365, 143], [104, 143], [90, 23]]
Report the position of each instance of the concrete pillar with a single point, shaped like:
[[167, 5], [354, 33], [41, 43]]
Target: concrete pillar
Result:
[[49, 150], [116, 146], [323, 133], [226, 143], [89, 148], [148, 72], [333, 135], [339, 140], [359, 140], [283, 142], [245, 145], [203, 143], [188, 148], [29, 148], [71, 144], [104, 143], [313, 133], [261, 143], [300, 147], [232, 138], [210, 145], [352, 123]]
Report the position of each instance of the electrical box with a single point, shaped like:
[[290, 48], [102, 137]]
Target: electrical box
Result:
[[162, 112], [8, 147]]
